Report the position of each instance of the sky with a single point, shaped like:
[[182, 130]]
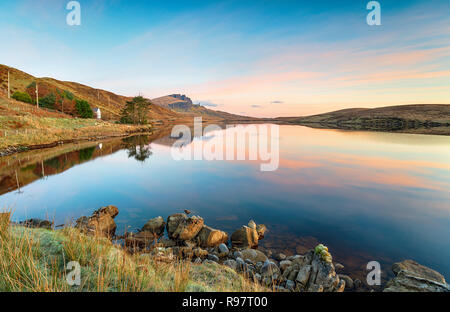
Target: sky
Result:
[[256, 58]]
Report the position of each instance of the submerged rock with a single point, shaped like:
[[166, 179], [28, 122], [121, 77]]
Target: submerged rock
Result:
[[414, 277]]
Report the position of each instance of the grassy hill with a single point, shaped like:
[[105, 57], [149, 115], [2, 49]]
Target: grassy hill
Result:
[[420, 118], [66, 92]]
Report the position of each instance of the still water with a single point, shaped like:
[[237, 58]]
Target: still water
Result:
[[366, 195]]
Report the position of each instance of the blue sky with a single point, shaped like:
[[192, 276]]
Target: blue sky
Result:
[[261, 58]]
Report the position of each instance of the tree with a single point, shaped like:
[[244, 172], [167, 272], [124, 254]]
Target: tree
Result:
[[84, 109], [48, 101], [135, 111]]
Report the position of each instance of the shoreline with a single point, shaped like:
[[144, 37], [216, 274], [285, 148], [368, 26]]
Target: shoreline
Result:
[[182, 238]]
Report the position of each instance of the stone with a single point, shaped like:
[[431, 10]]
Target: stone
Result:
[[414, 277], [280, 256], [238, 254], [285, 264], [155, 226], [213, 258], [209, 237], [269, 269], [252, 224], [303, 275], [254, 255], [200, 253], [188, 228], [37, 223], [173, 221], [245, 237], [223, 250], [140, 240], [166, 242], [290, 285], [338, 267], [100, 223], [231, 264], [261, 229], [348, 281]]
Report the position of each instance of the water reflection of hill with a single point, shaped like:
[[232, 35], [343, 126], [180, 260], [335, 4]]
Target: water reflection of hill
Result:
[[22, 169]]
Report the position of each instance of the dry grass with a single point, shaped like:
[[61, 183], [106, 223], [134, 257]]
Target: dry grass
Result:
[[26, 128], [35, 260]]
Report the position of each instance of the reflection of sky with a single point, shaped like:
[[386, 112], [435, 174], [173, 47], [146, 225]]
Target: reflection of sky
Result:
[[378, 193]]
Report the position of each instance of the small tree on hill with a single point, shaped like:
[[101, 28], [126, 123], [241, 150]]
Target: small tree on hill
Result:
[[135, 111], [22, 97], [84, 109]]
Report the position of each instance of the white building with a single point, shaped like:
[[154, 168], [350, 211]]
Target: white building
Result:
[[98, 113]]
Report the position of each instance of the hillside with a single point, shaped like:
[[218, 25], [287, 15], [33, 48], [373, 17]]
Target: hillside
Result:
[[420, 118], [66, 92]]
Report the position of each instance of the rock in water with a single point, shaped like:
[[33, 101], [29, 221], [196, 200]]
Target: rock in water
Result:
[[245, 237], [100, 223], [209, 237], [414, 277], [188, 228], [155, 226]]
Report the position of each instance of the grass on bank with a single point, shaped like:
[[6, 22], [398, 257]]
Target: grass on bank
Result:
[[23, 125], [35, 260]]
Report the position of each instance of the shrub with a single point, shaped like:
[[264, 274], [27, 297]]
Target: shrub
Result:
[[22, 97], [48, 101], [68, 95], [84, 109]]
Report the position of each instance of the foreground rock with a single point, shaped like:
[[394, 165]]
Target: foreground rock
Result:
[[414, 277], [209, 237], [155, 226], [100, 223]]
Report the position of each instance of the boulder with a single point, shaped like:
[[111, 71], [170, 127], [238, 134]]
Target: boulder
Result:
[[231, 264], [166, 242], [173, 221], [254, 255], [155, 226], [209, 237], [188, 228], [303, 275], [285, 264], [414, 277], [223, 250], [100, 223], [213, 258], [269, 269], [245, 237], [348, 281]]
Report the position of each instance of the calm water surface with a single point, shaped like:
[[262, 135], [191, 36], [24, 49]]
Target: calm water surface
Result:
[[368, 196]]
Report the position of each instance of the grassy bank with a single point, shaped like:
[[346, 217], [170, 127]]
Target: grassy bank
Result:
[[36, 259], [22, 127]]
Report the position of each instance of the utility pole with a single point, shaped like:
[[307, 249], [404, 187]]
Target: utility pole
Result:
[[9, 93], [37, 95]]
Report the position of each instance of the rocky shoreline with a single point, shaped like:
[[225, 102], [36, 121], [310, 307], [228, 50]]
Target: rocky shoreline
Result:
[[188, 238]]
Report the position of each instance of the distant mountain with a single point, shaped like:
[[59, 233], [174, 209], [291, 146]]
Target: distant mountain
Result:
[[419, 118], [183, 104]]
